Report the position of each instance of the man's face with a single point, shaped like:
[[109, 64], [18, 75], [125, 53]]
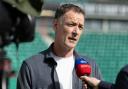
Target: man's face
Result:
[[68, 29]]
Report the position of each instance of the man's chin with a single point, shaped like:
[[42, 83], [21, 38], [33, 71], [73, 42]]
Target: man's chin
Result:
[[71, 46]]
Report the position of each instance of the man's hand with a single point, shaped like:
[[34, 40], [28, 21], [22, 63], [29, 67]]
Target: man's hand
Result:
[[91, 81]]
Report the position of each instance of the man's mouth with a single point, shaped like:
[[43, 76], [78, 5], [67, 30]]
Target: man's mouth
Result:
[[72, 39]]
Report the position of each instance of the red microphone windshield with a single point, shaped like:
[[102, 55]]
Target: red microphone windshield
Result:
[[83, 69]]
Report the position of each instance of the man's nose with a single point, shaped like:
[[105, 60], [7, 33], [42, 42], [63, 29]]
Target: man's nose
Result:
[[74, 33]]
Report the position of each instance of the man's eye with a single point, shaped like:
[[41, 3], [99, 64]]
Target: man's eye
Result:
[[81, 27], [70, 24]]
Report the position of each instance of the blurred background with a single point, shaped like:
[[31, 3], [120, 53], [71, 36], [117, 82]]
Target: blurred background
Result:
[[105, 37]]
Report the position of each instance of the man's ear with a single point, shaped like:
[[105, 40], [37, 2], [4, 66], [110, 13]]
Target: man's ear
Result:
[[55, 24]]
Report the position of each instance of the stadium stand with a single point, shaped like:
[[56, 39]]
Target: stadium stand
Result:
[[108, 49]]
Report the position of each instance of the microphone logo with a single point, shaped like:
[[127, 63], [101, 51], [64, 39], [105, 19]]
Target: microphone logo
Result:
[[82, 67]]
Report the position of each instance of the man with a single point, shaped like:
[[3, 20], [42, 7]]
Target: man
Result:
[[54, 67], [121, 81]]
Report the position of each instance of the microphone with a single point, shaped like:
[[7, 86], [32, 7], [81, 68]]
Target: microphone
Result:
[[82, 68]]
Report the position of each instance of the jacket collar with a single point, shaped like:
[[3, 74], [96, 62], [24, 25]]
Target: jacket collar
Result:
[[49, 59]]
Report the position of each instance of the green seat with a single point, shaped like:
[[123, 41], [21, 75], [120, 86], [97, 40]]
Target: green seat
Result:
[[110, 51]]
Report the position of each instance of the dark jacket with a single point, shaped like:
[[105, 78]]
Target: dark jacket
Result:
[[38, 72], [121, 80]]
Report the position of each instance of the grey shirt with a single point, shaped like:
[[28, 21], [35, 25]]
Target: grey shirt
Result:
[[38, 72]]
